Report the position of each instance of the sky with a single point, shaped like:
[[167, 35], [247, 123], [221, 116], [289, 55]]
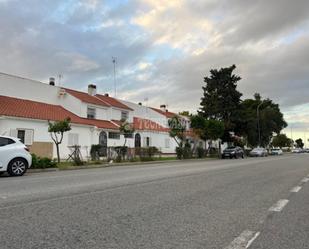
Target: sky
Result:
[[164, 48]]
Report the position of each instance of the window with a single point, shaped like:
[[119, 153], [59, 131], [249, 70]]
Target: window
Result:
[[73, 139], [124, 115], [167, 142], [128, 135], [5, 141], [21, 135], [114, 135], [24, 135], [91, 112], [147, 141]]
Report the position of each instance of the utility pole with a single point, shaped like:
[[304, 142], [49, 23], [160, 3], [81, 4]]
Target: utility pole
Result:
[[114, 60], [258, 119]]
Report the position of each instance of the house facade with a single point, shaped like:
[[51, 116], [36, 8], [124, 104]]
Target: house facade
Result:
[[27, 105]]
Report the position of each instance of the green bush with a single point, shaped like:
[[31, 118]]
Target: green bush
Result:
[[179, 152], [146, 153], [201, 152], [42, 162], [187, 151], [95, 152]]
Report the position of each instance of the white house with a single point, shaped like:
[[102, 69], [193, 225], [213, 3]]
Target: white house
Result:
[[27, 105]]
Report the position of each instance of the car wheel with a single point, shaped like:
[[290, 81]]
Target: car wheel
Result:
[[17, 167]]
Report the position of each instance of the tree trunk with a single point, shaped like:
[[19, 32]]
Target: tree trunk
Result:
[[58, 153]]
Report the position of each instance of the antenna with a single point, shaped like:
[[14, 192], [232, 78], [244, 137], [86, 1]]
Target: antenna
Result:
[[114, 60], [59, 79]]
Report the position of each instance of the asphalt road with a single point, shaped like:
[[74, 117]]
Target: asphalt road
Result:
[[226, 204]]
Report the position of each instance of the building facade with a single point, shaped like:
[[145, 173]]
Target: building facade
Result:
[[26, 107]]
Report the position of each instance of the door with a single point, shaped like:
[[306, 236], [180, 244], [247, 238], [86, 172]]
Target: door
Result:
[[137, 141], [103, 143], [6, 145]]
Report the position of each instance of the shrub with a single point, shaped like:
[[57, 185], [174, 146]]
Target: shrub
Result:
[[179, 152], [201, 152], [187, 151], [95, 152], [42, 162], [146, 153]]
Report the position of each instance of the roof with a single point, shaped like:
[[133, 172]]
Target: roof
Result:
[[146, 124], [165, 113], [98, 99], [113, 102], [87, 98], [22, 108]]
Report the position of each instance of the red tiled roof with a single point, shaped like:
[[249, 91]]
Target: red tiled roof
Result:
[[146, 124], [113, 102], [87, 98], [165, 113], [22, 108]]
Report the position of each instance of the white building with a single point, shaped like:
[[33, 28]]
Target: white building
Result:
[[26, 106]]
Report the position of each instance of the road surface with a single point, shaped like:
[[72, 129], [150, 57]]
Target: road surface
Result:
[[226, 204]]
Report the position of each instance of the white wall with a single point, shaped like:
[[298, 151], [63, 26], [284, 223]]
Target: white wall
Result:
[[17, 87], [145, 112]]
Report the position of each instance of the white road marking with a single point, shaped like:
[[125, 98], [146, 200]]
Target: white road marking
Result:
[[306, 179], [244, 240], [253, 239], [278, 206], [295, 189]]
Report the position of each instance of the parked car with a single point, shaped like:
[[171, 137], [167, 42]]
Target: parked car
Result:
[[233, 152], [276, 152], [258, 152], [14, 156], [297, 150], [306, 150]]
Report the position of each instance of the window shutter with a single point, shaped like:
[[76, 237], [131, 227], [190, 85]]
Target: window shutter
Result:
[[28, 137], [150, 141], [13, 132]]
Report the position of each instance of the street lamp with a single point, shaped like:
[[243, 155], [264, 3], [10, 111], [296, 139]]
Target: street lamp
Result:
[[258, 119]]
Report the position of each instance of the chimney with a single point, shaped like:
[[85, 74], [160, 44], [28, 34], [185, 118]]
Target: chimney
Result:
[[163, 108], [92, 89], [106, 95], [51, 81]]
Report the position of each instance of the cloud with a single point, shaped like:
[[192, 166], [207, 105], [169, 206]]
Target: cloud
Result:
[[163, 48]]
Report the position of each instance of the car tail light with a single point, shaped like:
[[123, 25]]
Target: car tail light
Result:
[[26, 148]]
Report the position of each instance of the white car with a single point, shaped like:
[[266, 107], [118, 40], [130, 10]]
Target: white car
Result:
[[297, 150], [258, 152], [14, 156], [276, 152]]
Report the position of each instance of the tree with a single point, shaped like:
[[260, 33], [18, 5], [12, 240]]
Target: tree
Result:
[[299, 143], [221, 99], [270, 120], [127, 130], [177, 130], [214, 131], [56, 130], [207, 129], [281, 140], [185, 113]]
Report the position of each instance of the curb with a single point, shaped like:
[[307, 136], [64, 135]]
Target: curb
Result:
[[106, 165]]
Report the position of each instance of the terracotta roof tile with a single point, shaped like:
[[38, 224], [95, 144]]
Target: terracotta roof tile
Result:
[[22, 108], [85, 97], [113, 102], [165, 113], [149, 125]]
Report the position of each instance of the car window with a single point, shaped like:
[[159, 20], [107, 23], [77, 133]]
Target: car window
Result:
[[5, 141]]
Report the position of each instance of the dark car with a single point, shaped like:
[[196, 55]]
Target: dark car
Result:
[[233, 152]]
